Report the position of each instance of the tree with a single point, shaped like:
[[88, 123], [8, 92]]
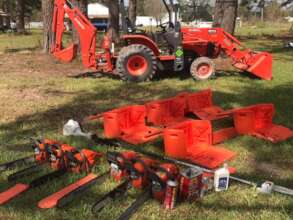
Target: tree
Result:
[[1, 22], [286, 2], [191, 10], [113, 29], [140, 7], [82, 5], [19, 7], [132, 11], [225, 14], [47, 11], [156, 9], [6, 5]]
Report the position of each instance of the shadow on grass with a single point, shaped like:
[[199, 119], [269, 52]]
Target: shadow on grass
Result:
[[162, 75], [249, 208], [17, 50], [157, 77]]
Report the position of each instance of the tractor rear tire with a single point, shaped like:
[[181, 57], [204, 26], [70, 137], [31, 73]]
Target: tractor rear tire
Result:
[[136, 63], [202, 68]]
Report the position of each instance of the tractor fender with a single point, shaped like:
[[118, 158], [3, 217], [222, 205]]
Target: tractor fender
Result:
[[144, 40]]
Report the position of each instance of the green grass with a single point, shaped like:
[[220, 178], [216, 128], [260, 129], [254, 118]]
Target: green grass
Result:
[[263, 29], [37, 98], [13, 43]]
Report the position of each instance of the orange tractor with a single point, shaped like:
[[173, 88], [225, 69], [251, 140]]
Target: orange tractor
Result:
[[143, 54]]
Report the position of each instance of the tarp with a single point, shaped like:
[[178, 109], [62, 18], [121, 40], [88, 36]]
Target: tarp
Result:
[[97, 10]]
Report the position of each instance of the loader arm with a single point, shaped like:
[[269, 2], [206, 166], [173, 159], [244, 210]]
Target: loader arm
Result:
[[86, 32], [256, 63]]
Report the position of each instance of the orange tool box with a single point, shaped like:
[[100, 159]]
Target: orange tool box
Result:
[[257, 120], [128, 123], [167, 112], [201, 104], [193, 140]]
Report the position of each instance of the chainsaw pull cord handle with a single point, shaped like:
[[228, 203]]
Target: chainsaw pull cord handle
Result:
[[112, 157], [55, 153], [84, 163], [147, 169], [70, 156], [157, 179], [36, 144], [170, 175]]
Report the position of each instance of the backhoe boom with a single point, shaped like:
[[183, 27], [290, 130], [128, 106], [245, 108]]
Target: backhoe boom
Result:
[[86, 31]]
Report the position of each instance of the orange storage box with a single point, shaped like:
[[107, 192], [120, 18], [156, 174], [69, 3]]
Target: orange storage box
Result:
[[257, 120], [128, 124], [201, 104], [192, 140], [167, 111]]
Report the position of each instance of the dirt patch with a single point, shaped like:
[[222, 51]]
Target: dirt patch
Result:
[[274, 170], [32, 94], [223, 64], [37, 64]]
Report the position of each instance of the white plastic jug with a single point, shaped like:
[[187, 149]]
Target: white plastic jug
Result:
[[221, 178], [72, 128]]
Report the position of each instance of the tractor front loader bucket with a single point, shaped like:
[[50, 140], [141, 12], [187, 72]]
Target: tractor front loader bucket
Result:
[[66, 55], [258, 64]]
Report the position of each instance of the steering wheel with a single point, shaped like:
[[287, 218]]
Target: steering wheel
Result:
[[166, 25], [139, 31], [133, 28]]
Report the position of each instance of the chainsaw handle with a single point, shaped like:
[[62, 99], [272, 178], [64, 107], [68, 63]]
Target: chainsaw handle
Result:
[[112, 157], [36, 142], [83, 164], [70, 157]]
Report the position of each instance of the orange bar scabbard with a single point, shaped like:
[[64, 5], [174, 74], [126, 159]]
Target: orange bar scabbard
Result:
[[52, 200], [13, 192]]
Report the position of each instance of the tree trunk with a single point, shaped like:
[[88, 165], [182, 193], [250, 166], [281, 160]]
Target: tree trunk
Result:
[[47, 11], [6, 9], [225, 14], [82, 5], [132, 11], [113, 29], [140, 7], [19, 6], [1, 22]]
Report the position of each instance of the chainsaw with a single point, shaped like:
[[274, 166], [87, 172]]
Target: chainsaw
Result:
[[78, 161], [62, 158], [41, 154], [145, 174], [119, 144]]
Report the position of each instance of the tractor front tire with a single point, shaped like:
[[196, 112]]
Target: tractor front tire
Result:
[[136, 63], [202, 68]]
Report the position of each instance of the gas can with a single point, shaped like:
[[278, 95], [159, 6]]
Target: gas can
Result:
[[190, 184], [171, 194]]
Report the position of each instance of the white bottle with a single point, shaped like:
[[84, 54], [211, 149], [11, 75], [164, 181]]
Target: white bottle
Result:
[[221, 178]]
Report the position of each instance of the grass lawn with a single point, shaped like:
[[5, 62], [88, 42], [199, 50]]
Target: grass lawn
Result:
[[38, 95]]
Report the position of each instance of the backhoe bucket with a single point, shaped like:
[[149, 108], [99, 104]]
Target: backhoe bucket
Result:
[[67, 54], [258, 64]]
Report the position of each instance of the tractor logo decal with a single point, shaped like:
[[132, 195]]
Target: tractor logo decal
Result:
[[179, 53]]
